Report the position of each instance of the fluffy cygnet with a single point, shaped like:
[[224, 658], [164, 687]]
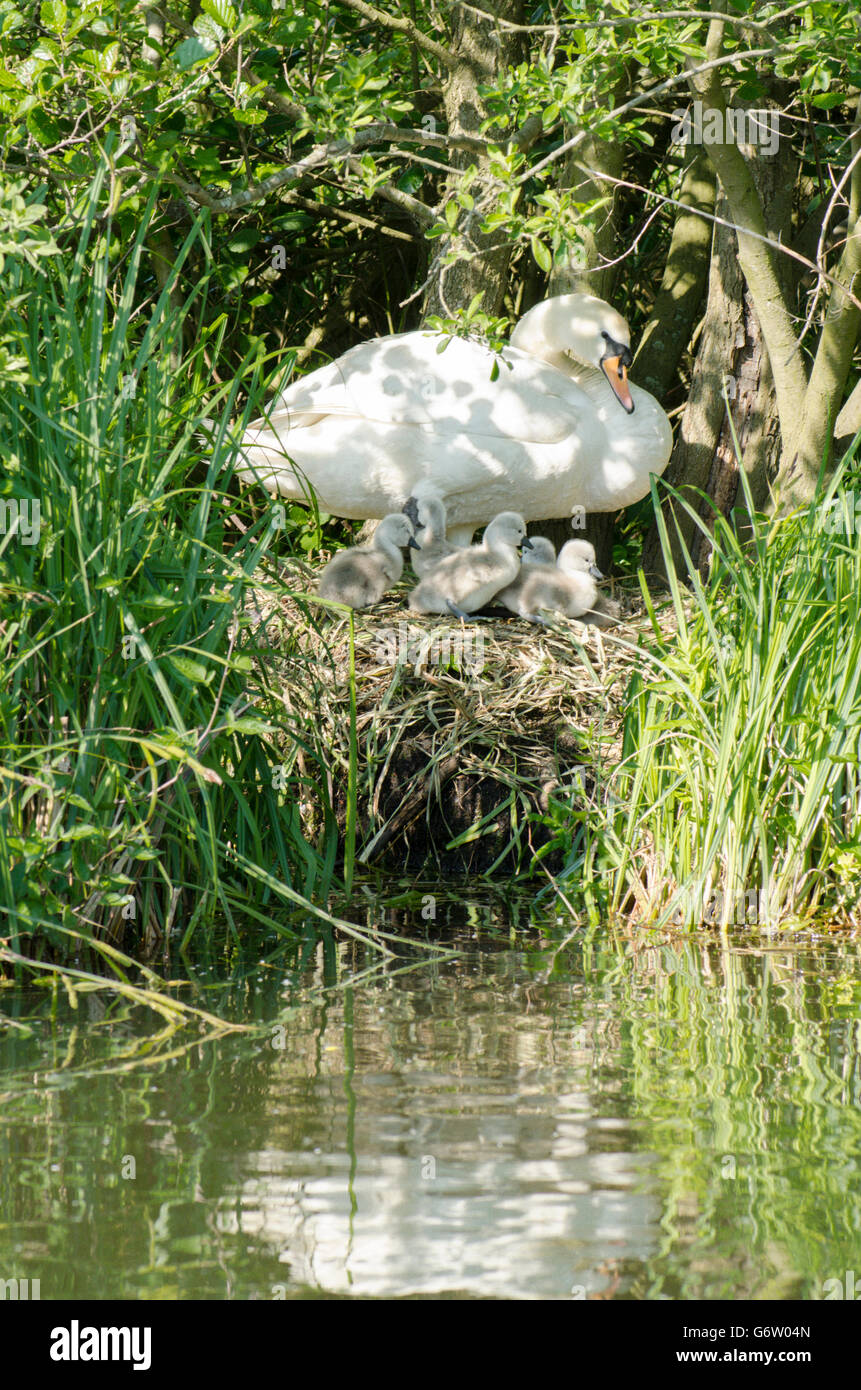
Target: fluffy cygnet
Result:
[[360, 576], [468, 579]]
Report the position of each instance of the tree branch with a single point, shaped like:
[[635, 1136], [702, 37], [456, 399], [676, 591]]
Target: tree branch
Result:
[[419, 211], [343, 214], [225, 60], [606, 22], [316, 158], [640, 97], [721, 221], [404, 26]]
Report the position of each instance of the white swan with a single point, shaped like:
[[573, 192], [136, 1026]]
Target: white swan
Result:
[[360, 576], [569, 587], [468, 579], [426, 511], [579, 555], [558, 428], [541, 552]]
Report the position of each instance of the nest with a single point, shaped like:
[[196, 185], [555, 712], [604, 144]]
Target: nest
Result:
[[472, 740]]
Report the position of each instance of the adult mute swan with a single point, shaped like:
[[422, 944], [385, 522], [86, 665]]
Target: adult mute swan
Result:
[[468, 579], [548, 424], [360, 576]]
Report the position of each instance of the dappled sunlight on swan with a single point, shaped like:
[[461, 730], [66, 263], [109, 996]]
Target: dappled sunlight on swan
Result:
[[548, 425]]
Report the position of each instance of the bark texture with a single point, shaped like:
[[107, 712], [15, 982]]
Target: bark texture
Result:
[[481, 48]]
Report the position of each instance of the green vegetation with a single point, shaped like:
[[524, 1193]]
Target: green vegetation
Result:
[[737, 799], [197, 201], [139, 788]]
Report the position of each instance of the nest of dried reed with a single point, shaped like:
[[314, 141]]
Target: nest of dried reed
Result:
[[462, 738]]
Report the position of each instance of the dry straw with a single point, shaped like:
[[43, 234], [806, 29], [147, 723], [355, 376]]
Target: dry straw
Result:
[[462, 731]]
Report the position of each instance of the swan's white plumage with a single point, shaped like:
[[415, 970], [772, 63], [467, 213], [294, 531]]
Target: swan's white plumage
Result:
[[545, 436]]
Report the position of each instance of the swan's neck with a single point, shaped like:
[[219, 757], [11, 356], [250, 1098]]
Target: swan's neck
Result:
[[388, 548], [501, 550], [528, 337], [434, 527]]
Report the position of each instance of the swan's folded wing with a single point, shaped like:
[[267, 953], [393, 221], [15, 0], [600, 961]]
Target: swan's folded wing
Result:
[[405, 380]]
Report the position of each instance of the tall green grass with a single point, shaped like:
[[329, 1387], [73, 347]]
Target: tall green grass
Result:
[[140, 793], [737, 798]]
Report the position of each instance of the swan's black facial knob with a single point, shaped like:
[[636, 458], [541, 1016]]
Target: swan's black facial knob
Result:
[[411, 509], [615, 361]]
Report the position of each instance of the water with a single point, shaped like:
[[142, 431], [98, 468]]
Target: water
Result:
[[543, 1116]]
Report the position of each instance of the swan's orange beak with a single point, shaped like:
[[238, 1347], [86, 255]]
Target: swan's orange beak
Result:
[[616, 373]]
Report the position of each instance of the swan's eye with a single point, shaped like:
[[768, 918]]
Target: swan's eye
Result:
[[617, 354]]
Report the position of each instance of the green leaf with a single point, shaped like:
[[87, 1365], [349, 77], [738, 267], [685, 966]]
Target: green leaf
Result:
[[248, 115], [827, 100], [243, 240], [451, 214], [541, 253], [80, 832], [192, 51], [159, 601], [208, 31], [52, 15], [193, 671], [221, 11], [249, 726]]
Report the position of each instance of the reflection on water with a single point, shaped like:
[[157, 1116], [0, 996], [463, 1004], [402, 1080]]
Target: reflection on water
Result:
[[541, 1116]]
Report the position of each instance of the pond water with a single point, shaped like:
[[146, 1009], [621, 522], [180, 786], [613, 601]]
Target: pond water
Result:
[[547, 1113]]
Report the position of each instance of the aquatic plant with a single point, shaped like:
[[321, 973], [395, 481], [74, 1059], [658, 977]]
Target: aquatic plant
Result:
[[737, 796]]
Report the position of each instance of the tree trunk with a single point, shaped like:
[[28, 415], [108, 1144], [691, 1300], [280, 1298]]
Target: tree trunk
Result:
[[731, 350], [482, 49], [731, 354], [668, 332]]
